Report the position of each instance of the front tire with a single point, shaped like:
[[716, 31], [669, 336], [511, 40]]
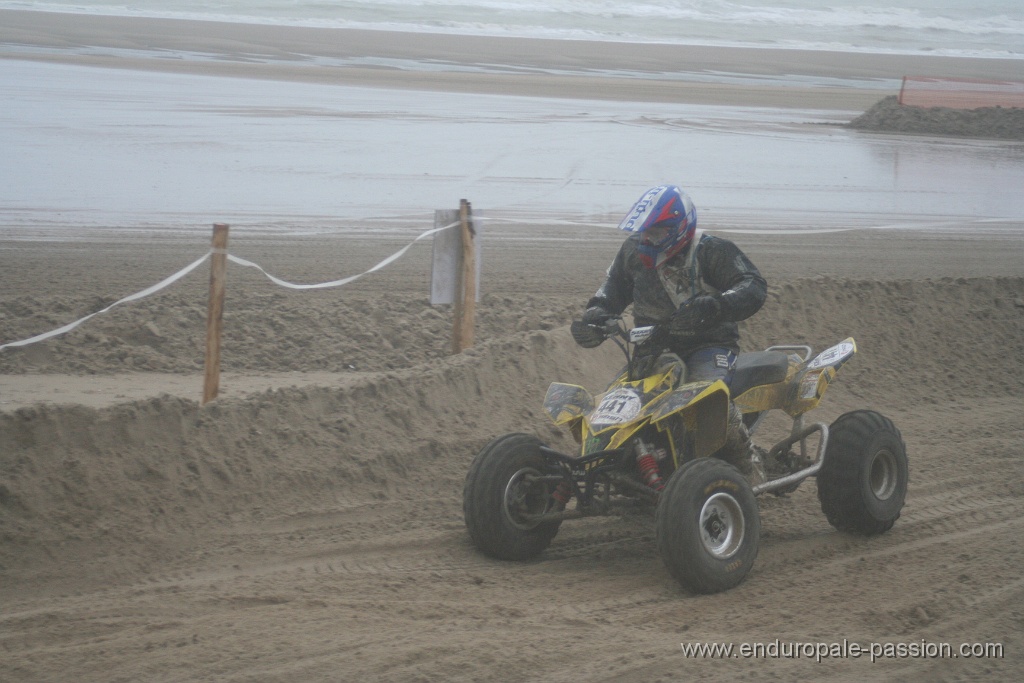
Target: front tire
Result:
[[499, 490], [708, 526], [862, 484]]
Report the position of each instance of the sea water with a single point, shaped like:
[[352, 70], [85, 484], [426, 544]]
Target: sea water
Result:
[[986, 28], [87, 147]]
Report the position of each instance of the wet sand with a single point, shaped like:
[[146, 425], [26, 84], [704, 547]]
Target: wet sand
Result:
[[509, 66]]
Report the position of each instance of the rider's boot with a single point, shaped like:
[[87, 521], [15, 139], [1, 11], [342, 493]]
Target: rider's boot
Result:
[[737, 450]]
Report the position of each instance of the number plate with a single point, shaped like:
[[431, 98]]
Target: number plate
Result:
[[617, 407]]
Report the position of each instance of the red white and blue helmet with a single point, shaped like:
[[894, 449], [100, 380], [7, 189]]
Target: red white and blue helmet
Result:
[[663, 206]]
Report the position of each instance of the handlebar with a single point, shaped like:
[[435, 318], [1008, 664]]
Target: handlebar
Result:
[[612, 327], [645, 341]]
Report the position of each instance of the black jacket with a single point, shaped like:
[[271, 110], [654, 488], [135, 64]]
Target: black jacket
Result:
[[719, 269]]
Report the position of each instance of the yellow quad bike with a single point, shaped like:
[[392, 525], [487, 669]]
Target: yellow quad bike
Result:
[[651, 440]]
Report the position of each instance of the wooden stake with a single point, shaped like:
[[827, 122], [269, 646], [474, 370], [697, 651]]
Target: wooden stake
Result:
[[215, 311], [465, 293]]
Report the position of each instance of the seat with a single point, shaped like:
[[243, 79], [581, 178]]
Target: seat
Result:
[[757, 368]]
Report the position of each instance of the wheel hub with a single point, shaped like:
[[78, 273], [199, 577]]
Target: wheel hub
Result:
[[883, 474], [722, 526], [524, 496]]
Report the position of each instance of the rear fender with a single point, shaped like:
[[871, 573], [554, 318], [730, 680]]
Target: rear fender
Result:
[[704, 409], [812, 381]]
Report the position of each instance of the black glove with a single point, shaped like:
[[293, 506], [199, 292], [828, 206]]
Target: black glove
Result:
[[595, 315], [696, 315], [586, 335]]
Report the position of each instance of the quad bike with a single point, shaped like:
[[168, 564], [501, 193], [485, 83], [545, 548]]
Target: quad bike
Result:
[[651, 440]]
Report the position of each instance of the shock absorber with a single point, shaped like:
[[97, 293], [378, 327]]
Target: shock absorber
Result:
[[649, 472], [561, 495]]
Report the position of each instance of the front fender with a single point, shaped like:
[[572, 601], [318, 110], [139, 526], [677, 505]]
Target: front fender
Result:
[[567, 402], [704, 409]]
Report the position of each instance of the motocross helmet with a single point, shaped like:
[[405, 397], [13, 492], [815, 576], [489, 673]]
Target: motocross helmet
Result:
[[668, 216]]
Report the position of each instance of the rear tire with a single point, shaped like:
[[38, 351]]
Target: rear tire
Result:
[[862, 484], [708, 526], [496, 493]]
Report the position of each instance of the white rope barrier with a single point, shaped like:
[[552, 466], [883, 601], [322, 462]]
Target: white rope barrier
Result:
[[338, 283], [166, 282]]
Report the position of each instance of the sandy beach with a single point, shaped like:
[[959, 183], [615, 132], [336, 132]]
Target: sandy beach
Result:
[[516, 66], [307, 525]]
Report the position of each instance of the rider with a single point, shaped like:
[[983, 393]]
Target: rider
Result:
[[698, 285]]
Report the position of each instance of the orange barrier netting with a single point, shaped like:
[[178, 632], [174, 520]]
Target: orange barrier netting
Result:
[[960, 93]]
